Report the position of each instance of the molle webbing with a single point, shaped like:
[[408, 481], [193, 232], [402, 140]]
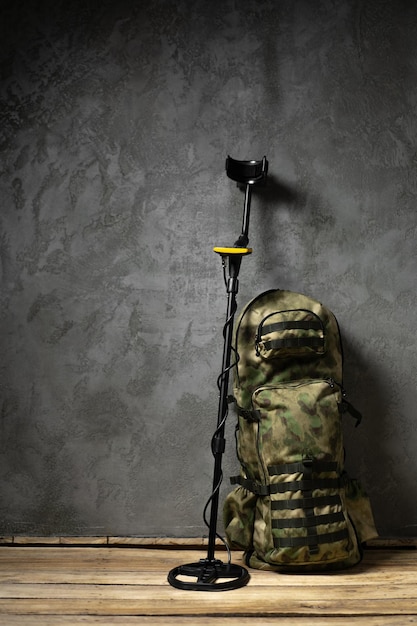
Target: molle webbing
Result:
[[307, 484], [305, 503], [312, 541], [292, 341], [294, 485], [309, 520], [292, 325]]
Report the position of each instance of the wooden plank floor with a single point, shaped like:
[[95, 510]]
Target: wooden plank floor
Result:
[[57, 585]]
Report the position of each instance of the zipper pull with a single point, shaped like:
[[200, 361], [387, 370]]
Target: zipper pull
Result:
[[333, 383]]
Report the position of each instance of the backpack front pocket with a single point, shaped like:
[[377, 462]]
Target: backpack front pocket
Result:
[[299, 420], [305, 503]]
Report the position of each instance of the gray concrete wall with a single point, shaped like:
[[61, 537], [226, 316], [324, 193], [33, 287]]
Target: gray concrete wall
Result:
[[116, 118]]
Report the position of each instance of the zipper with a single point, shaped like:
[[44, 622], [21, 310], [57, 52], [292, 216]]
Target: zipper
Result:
[[307, 381], [333, 383]]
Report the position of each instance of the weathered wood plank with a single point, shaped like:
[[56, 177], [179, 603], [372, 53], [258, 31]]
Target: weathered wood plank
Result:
[[150, 567], [36, 540], [144, 577], [65, 620], [82, 584], [140, 555], [128, 560], [164, 600], [173, 606], [254, 593], [71, 572]]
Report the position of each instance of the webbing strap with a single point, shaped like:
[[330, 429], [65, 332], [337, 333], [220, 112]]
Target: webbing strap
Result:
[[296, 542], [305, 485], [308, 522], [305, 503], [292, 325], [301, 466], [294, 342], [293, 485], [248, 415], [251, 485], [309, 511]]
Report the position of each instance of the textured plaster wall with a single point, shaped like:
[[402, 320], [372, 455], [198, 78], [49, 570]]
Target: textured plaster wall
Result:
[[116, 118]]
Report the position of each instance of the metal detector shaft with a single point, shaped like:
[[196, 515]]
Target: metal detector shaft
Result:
[[206, 573], [246, 214], [218, 443]]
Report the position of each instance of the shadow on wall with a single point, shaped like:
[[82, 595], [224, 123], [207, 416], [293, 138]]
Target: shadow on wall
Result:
[[274, 195], [277, 193], [369, 448]]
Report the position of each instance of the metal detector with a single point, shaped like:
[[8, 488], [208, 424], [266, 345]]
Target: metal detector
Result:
[[211, 574]]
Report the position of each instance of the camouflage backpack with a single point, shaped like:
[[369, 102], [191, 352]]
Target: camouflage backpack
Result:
[[294, 506]]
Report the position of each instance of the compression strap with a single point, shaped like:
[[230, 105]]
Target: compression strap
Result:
[[293, 485], [308, 522], [297, 542], [305, 503], [292, 325]]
